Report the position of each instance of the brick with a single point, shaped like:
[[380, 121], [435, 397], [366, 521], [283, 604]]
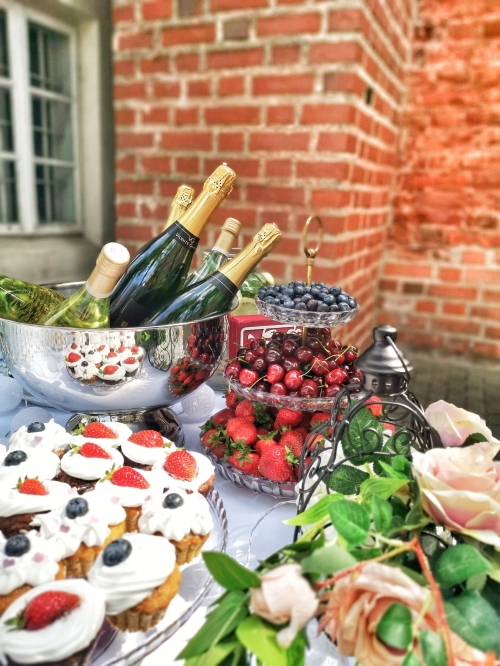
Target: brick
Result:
[[126, 209], [228, 5], [454, 308], [130, 90], [491, 296], [152, 212], [189, 165], [166, 89], [344, 20], [159, 9], [457, 325], [123, 67], [187, 140], [343, 82], [485, 349], [199, 88], [279, 168], [426, 306], [195, 34], [245, 168], [295, 24], [123, 14], [413, 288], [134, 139], [330, 198], [482, 275], [335, 52], [492, 28], [486, 313], [187, 62], [283, 84], [281, 195], [315, 114], [156, 116], [316, 169], [230, 141], [124, 116], [236, 29], [280, 115], [492, 332], [134, 186], [232, 115], [231, 85], [232, 59], [156, 164], [160, 64], [409, 270], [337, 142], [276, 141], [187, 8], [129, 232], [445, 291], [473, 257], [137, 40], [186, 116], [285, 55], [125, 163], [450, 274]]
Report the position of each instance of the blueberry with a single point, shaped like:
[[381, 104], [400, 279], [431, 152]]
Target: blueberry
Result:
[[77, 507], [289, 292], [17, 545], [289, 305], [84, 364], [322, 307], [334, 308], [268, 299], [300, 306], [352, 302], [15, 458], [172, 501], [315, 292], [341, 298], [320, 296], [298, 283], [276, 301], [335, 291], [36, 427], [297, 299], [307, 288], [116, 552], [322, 285], [283, 298], [329, 299], [344, 307], [312, 305], [300, 290], [306, 297]]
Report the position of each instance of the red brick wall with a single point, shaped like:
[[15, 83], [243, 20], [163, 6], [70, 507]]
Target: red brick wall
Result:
[[302, 98], [441, 279]]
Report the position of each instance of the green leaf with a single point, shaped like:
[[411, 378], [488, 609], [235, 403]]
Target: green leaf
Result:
[[230, 612], [411, 659], [403, 465], [391, 473], [259, 638], [351, 520], [296, 653], [381, 513], [399, 442], [215, 655], [363, 434], [365, 553], [228, 573], [315, 513], [346, 479], [395, 626], [384, 488], [328, 560], [475, 620], [474, 439], [459, 563], [433, 649], [416, 518]]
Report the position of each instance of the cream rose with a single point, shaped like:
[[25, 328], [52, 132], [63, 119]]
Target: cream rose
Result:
[[461, 489], [284, 596], [357, 604], [455, 424]]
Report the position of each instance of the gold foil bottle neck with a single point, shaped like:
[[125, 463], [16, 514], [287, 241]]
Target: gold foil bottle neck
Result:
[[266, 238], [220, 183], [183, 197]]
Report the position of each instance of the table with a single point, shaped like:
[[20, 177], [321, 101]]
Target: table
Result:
[[243, 507]]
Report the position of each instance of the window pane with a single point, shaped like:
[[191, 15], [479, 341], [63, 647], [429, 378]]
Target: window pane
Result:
[[8, 194], [52, 129], [6, 140], [55, 189], [4, 58], [49, 59]]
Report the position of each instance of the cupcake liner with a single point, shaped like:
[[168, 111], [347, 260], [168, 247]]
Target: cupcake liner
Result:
[[7, 599], [207, 486], [189, 547], [79, 564], [134, 620], [132, 519]]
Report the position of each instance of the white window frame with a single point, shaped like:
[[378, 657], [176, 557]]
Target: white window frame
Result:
[[18, 18]]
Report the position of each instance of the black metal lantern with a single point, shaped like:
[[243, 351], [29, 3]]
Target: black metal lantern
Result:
[[367, 424]]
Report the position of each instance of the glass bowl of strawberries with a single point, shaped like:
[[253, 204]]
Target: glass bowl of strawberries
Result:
[[258, 446]]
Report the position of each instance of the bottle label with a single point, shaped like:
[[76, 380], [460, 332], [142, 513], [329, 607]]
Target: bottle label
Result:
[[132, 312], [184, 237], [224, 284]]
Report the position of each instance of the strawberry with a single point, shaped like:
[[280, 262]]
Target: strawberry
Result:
[[73, 345], [287, 417], [101, 348], [241, 429], [99, 431], [389, 426], [47, 607], [134, 349], [91, 450], [254, 411], [127, 477], [319, 417], [374, 405], [232, 399], [149, 438], [294, 440], [262, 432], [264, 443], [274, 464], [109, 369], [73, 358], [222, 417], [215, 440], [112, 354], [246, 462], [245, 409], [130, 360], [31, 487], [181, 464], [121, 349]]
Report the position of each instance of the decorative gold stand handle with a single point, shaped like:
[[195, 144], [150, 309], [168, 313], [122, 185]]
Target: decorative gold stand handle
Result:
[[310, 255]]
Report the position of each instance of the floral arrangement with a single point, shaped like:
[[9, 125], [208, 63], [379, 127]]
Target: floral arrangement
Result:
[[404, 572]]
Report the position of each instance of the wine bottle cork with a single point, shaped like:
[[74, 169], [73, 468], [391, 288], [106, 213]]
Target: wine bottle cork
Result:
[[229, 233], [110, 265]]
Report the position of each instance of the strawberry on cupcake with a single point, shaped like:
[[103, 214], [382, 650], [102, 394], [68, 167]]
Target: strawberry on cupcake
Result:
[[146, 447], [86, 372], [187, 470], [131, 365], [111, 358], [84, 465], [73, 359], [111, 373], [108, 434]]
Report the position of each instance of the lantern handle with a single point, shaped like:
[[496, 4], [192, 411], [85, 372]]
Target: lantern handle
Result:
[[311, 252], [396, 350]]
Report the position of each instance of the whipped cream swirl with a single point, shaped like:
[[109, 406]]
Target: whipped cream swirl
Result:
[[146, 455], [35, 567], [53, 437], [41, 464], [90, 469], [205, 470], [126, 495], [192, 517], [13, 503]]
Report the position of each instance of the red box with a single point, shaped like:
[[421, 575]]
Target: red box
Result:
[[248, 327]]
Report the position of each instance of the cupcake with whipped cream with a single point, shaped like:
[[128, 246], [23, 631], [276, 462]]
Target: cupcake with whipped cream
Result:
[[137, 352], [108, 434], [86, 372], [73, 359], [145, 448], [94, 356], [78, 530], [84, 465], [182, 518], [21, 504], [103, 350], [111, 358], [187, 470], [131, 365], [73, 348], [65, 638], [139, 577], [32, 463], [26, 561], [111, 373], [49, 436]]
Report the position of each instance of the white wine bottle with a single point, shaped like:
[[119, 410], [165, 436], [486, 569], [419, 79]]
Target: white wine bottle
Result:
[[219, 254], [180, 203], [89, 306], [26, 302]]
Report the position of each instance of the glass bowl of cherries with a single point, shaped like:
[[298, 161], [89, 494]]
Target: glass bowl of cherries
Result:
[[285, 372]]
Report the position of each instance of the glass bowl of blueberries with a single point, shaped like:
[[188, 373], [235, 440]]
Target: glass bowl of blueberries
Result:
[[307, 305]]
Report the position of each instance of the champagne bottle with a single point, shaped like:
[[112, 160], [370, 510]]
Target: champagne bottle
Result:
[[89, 306], [26, 302], [219, 254], [215, 294], [180, 203], [160, 267]]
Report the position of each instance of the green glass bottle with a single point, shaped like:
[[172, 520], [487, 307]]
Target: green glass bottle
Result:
[[215, 294], [159, 269], [89, 306], [26, 302], [219, 254]]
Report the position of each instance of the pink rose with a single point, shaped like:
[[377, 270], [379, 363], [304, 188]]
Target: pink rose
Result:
[[284, 596], [461, 489], [455, 424], [358, 602]]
